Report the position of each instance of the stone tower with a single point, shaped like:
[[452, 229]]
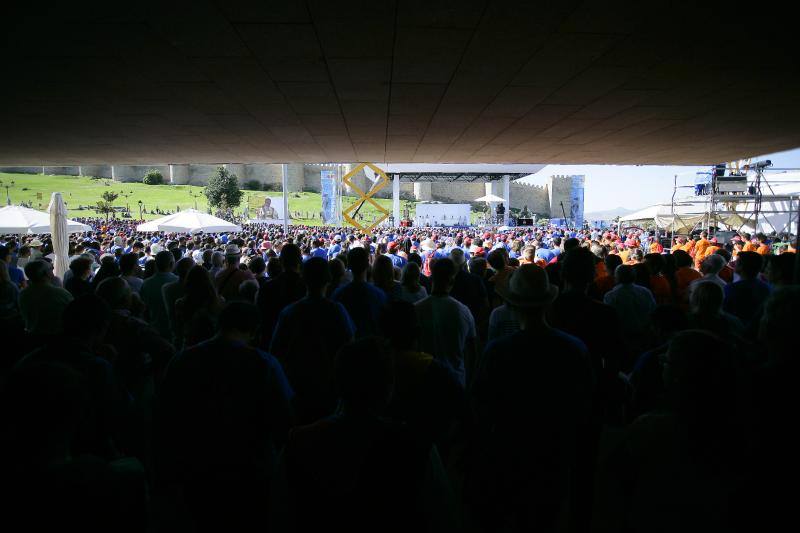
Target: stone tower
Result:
[[566, 190]]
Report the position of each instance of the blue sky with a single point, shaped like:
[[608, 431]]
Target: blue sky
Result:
[[634, 187]]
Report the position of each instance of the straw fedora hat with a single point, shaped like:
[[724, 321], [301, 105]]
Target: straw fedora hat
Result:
[[528, 286]]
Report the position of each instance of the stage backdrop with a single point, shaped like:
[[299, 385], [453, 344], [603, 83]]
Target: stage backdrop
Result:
[[442, 215]]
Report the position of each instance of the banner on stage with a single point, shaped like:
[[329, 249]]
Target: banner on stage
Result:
[[329, 197], [576, 201]]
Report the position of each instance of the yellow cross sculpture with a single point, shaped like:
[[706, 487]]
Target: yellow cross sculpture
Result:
[[366, 197]]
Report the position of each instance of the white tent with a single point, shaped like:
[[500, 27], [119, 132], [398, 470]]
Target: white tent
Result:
[[489, 198], [189, 221], [23, 220]]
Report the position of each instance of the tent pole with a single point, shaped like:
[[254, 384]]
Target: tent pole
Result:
[[284, 181]]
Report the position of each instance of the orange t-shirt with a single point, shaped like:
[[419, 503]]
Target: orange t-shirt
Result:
[[750, 247], [700, 246], [600, 270], [656, 248], [683, 277], [763, 249], [604, 284], [662, 292]]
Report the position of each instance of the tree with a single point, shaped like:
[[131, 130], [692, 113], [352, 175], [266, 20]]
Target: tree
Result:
[[223, 189], [153, 177], [106, 205]]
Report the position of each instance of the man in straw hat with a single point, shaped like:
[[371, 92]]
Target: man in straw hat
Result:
[[532, 401]]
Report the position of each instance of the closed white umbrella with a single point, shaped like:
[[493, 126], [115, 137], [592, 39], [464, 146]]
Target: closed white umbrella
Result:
[[189, 221], [58, 231], [18, 219]]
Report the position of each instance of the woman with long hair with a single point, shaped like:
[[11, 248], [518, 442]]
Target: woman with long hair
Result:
[[196, 313], [383, 277]]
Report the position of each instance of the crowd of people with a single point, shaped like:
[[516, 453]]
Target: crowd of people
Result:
[[432, 379]]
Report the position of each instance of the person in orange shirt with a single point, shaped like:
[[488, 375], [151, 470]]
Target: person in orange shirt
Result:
[[684, 275], [655, 247], [605, 283], [763, 247], [727, 271], [701, 245], [528, 255], [749, 245], [659, 285]]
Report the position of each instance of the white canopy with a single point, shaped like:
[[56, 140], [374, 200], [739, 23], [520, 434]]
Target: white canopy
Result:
[[490, 198], [189, 221], [18, 219]]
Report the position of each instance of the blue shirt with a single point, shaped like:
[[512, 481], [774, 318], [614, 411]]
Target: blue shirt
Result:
[[319, 252], [544, 253], [397, 261], [364, 303], [16, 275]]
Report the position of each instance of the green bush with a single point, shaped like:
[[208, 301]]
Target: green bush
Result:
[[223, 189], [276, 187], [153, 177], [252, 185]]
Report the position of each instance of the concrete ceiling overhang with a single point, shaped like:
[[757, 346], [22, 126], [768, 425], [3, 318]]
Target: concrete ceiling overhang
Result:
[[466, 81]]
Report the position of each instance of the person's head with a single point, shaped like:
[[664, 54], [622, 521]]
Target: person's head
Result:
[[217, 259], [682, 259], [257, 265], [87, 318], [358, 261], [478, 266], [410, 279], [233, 255], [5, 254], [498, 259], [129, 264], [725, 254], [578, 268], [458, 257], [239, 321], [443, 274], [571, 244], [748, 265], [316, 275], [706, 299], [636, 255], [414, 257], [624, 275], [712, 265], [654, 263], [383, 272], [364, 376], [780, 269], [291, 257], [199, 289], [183, 266], [611, 262], [4, 275], [528, 293], [529, 253], [165, 261], [115, 292], [81, 267], [39, 271]]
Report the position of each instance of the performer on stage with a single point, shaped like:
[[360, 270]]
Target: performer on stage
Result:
[[501, 211]]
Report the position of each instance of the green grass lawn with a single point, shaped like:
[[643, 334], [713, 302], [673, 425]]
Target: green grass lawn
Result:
[[81, 195]]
